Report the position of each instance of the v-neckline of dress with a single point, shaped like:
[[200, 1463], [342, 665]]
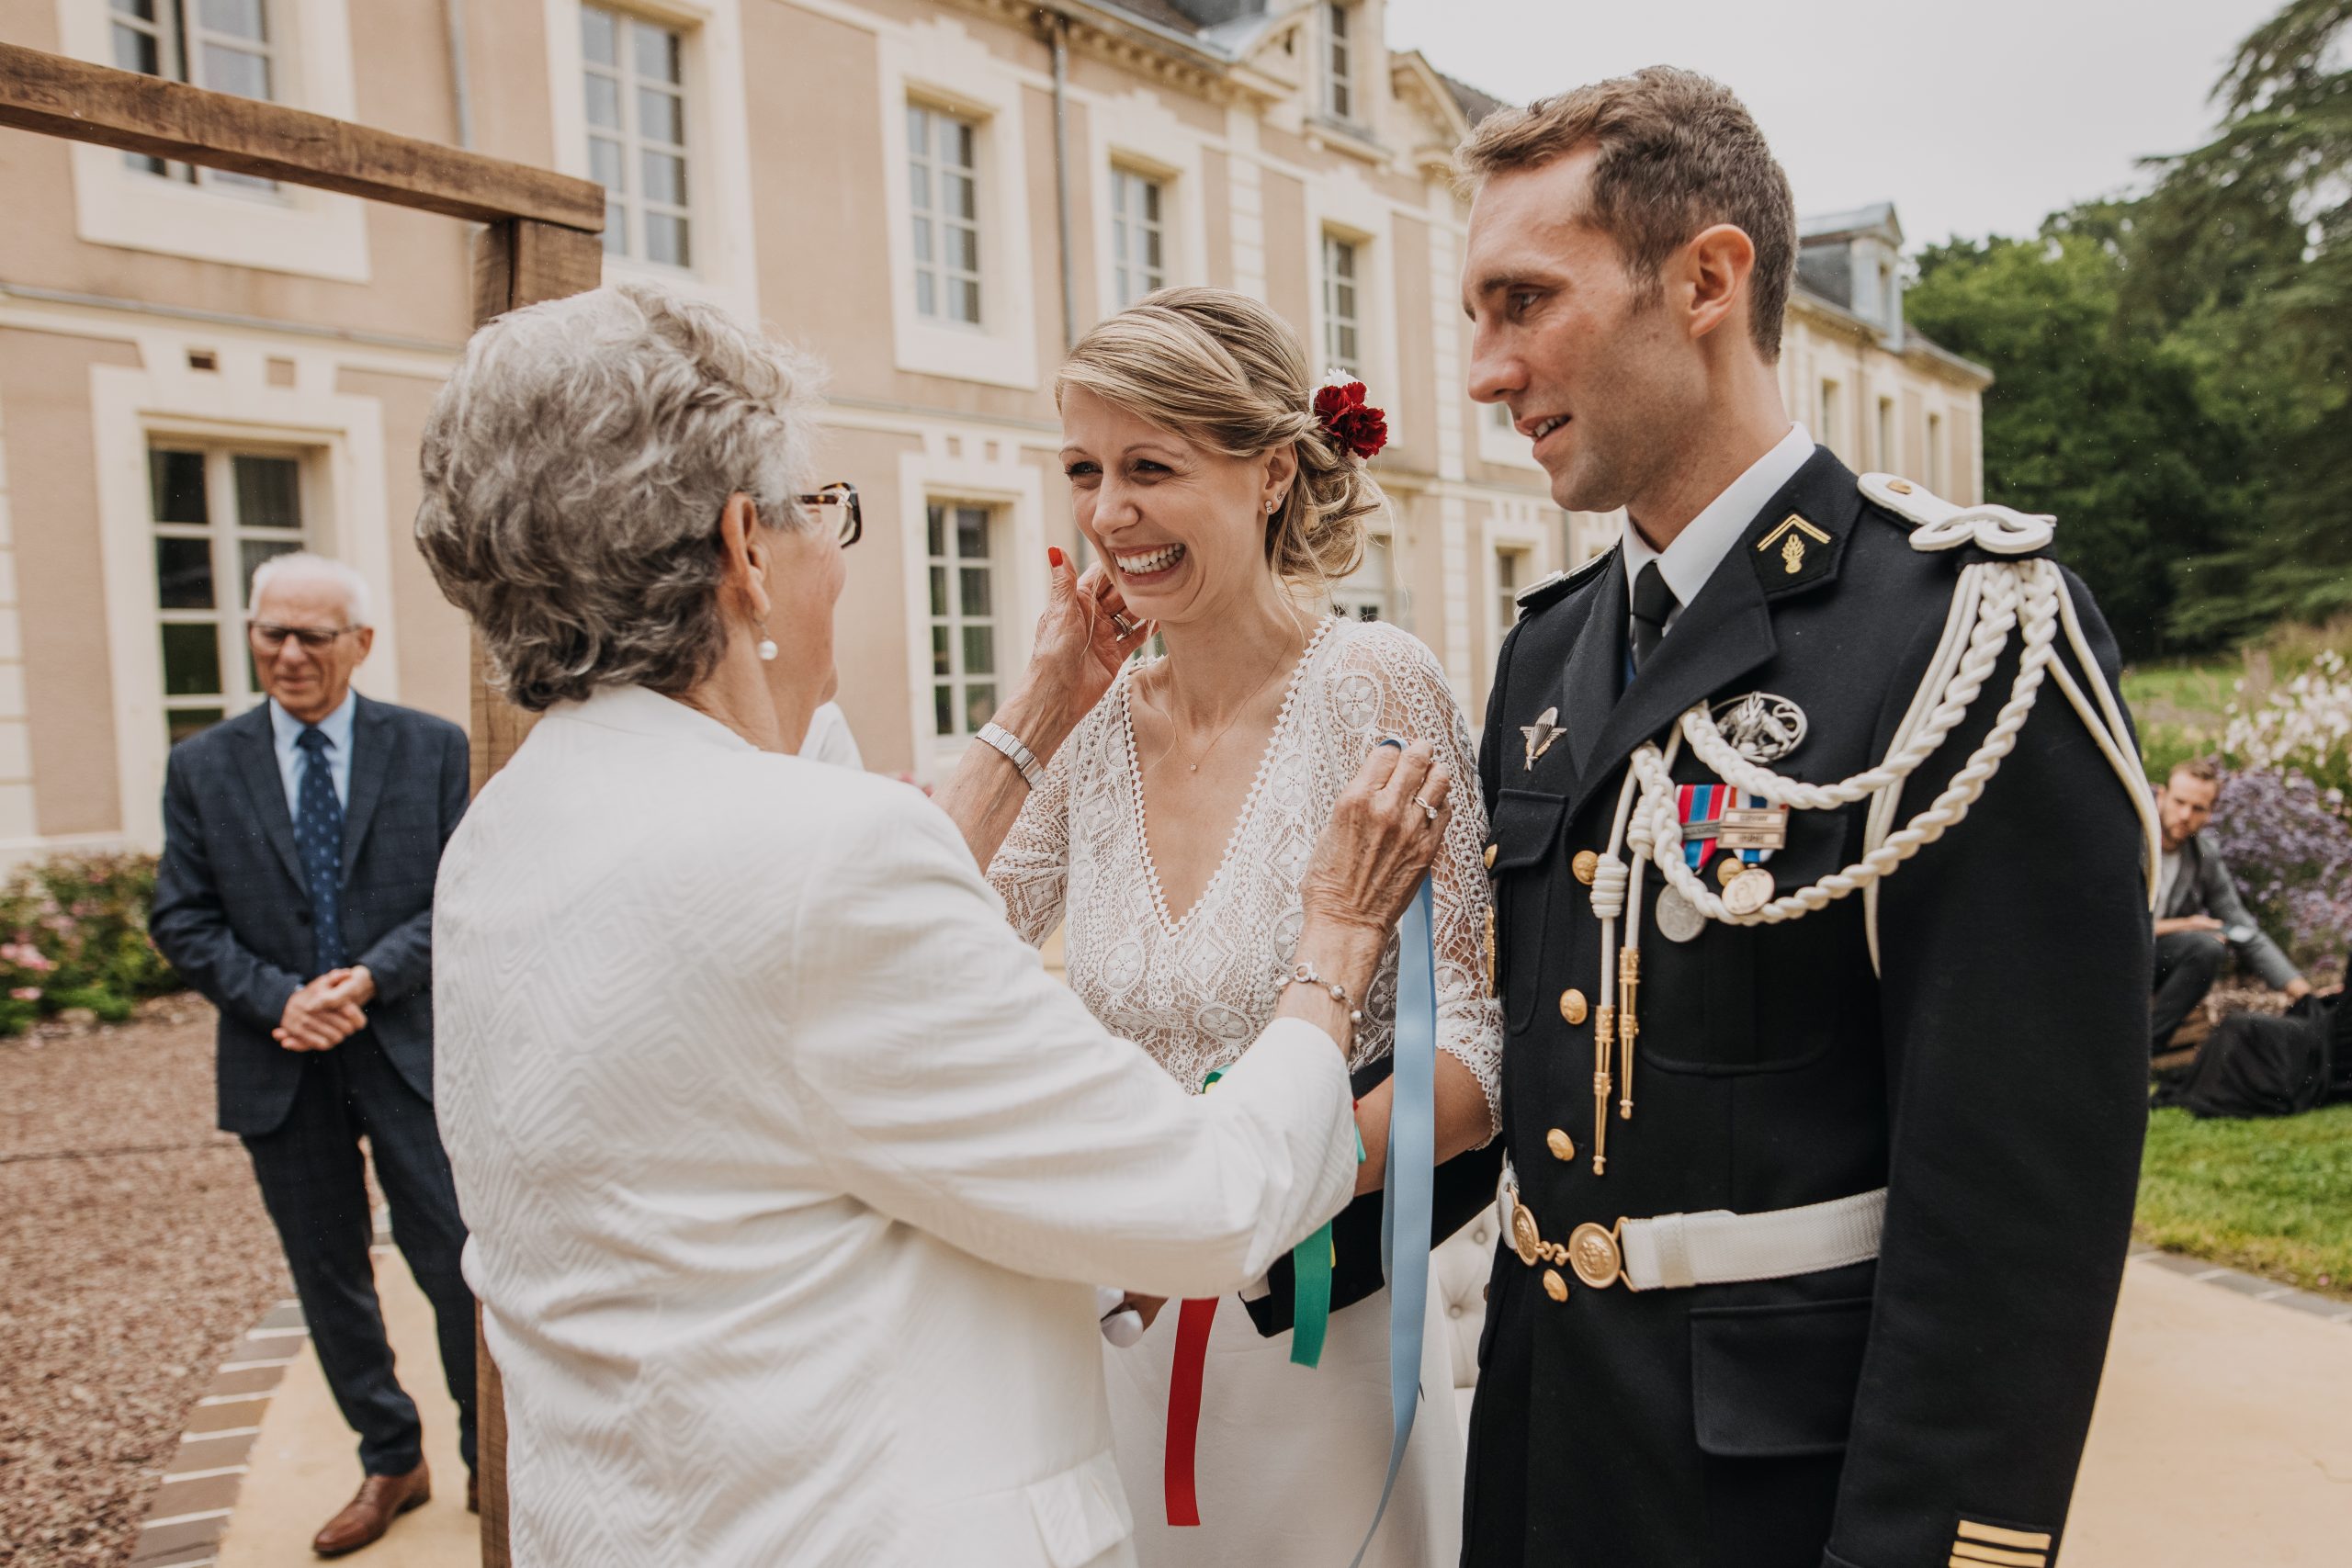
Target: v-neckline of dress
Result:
[[1169, 923]]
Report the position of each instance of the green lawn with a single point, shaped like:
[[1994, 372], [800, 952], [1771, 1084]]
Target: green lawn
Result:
[[2272, 1196], [2181, 707]]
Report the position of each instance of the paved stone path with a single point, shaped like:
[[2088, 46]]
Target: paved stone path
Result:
[[2223, 1436]]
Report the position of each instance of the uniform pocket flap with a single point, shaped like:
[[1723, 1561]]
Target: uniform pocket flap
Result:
[[1081, 1513], [1776, 1381], [1525, 825]]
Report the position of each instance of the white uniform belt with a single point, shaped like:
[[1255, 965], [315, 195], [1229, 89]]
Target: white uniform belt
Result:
[[1718, 1248]]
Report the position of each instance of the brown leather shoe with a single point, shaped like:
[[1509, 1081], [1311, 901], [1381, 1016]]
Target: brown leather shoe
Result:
[[379, 1501]]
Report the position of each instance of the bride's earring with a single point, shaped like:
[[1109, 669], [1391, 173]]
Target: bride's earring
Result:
[[1273, 504], [767, 644]]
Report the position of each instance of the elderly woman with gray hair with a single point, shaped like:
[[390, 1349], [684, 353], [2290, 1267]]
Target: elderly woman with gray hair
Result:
[[786, 1164]]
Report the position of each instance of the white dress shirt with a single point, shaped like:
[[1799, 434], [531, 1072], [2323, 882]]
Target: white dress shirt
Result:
[[286, 730], [1691, 558], [789, 1169]]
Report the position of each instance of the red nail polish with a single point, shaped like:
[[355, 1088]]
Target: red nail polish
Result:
[[1054, 554]]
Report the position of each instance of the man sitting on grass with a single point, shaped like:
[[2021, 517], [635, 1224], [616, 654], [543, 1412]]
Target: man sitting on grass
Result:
[[2199, 917]]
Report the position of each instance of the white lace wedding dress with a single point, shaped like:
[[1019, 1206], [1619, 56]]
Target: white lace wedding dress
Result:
[[1290, 1460]]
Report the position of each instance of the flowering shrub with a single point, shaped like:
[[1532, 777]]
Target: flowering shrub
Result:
[[2290, 848], [75, 936], [2304, 726]]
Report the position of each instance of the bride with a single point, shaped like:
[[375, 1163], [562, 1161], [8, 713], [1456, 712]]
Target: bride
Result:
[[1168, 835]]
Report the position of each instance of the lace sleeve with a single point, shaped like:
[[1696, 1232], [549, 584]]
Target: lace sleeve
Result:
[[1030, 871], [1394, 685]]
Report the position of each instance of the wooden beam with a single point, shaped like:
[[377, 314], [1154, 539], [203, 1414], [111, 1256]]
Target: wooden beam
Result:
[[73, 98]]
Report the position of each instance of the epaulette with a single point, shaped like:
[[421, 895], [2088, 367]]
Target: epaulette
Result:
[[1536, 595], [1913, 504]]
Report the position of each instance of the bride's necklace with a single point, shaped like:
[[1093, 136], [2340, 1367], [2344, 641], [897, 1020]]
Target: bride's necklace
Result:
[[1240, 708]]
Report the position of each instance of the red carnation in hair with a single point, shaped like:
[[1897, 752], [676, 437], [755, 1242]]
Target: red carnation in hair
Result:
[[1352, 423]]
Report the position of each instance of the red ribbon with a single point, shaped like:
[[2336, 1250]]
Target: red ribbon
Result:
[[1185, 1409]]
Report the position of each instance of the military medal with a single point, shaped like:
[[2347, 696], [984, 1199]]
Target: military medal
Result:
[[1678, 918], [1540, 734], [1749, 891]]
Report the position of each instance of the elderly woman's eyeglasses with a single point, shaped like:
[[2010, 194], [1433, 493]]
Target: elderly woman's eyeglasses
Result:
[[845, 495]]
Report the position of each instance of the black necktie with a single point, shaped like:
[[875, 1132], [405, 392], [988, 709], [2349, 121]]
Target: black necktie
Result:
[[1653, 603], [318, 833]]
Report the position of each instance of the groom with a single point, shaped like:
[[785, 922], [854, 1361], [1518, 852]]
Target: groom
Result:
[[1881, 1346]]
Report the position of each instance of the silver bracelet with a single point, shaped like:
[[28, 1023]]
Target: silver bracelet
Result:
[[1304, 974], [1020, 756]]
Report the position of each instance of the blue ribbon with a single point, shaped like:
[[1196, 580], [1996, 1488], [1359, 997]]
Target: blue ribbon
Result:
[[1407, 1183]]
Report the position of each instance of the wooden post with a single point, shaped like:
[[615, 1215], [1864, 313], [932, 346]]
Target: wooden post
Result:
[[517, 262]]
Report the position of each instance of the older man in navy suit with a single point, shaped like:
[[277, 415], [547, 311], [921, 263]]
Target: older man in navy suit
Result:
[[300, 842]]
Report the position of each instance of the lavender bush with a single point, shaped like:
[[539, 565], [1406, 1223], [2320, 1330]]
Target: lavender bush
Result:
[[2289, 844]]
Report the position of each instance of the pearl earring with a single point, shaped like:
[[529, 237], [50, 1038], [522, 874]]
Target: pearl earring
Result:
[[1273, 505], [767, 644]]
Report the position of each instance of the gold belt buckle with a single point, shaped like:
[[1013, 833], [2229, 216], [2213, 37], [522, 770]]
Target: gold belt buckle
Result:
[[1593, 1250]]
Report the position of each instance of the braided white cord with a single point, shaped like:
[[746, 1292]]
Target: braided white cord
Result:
[[2038, 588]]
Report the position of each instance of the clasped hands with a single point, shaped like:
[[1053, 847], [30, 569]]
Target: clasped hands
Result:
[[326, 1012]]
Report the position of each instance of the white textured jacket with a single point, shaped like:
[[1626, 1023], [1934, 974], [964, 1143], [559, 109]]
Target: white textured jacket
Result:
[[788, 1166]]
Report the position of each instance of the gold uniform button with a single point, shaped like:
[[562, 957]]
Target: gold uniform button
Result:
[[1572, 1005], [1553, 1286], [1584, 865], [1490, 855], [1727, 868], [1900, 486], [1560, 1143]]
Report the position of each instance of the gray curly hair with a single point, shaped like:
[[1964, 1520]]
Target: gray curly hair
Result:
[[574, 468]]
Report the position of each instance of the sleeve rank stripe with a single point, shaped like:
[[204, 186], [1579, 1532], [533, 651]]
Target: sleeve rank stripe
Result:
[[1970, 1530], [1967, 1555]]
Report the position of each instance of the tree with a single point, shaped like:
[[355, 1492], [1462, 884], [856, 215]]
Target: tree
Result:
[[2097, 421], [2247, 246]]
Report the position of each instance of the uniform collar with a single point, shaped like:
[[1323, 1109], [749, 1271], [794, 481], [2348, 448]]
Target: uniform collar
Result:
[[1691, 558]]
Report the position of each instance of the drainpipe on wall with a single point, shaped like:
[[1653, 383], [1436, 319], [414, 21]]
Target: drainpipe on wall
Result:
[[454, 13], [1056, 28]]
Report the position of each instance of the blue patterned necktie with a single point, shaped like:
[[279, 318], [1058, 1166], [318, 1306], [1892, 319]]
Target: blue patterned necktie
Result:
[[318, 833]]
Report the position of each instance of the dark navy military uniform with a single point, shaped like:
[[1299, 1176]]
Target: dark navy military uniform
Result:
[[1926, 1406]]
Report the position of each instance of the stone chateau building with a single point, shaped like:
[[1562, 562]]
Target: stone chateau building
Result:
[[199, 370]]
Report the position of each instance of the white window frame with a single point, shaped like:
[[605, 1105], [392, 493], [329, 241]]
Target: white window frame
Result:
[[726, 261], [225, 532], [1886, 435], [958, 682], [1336, 320], [1138, 134], [1830, 395], [1504, 604], [1131, 231], [1341, 79], [346, 482], [979, 466], [180, 35], [930, 221], [1938, 464], [1373, 585], [627, 211], [288, 229], [938, 64]]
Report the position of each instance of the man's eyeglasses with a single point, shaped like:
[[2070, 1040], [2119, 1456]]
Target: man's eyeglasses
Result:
[[842, 494], [273, 636]]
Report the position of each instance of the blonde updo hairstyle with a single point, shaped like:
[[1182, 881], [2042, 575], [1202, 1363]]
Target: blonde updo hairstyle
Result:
[[1224, 373]]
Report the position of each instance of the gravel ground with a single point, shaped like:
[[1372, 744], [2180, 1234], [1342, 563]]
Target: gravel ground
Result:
[[133, 1250]]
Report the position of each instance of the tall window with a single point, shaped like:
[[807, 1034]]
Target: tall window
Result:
[[1886, 436], [1508, 572], [1341, 346], [634, 84], [1137, 264], [963, 618], [218, 513], [1831, 414], [1364, 594], [1936, 452], [943, 187], [1340, 97], [223, 45]]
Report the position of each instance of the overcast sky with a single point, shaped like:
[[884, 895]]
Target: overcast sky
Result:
[[1973, 116]]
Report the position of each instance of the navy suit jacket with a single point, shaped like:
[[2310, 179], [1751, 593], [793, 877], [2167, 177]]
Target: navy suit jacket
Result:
[[232, 910]]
